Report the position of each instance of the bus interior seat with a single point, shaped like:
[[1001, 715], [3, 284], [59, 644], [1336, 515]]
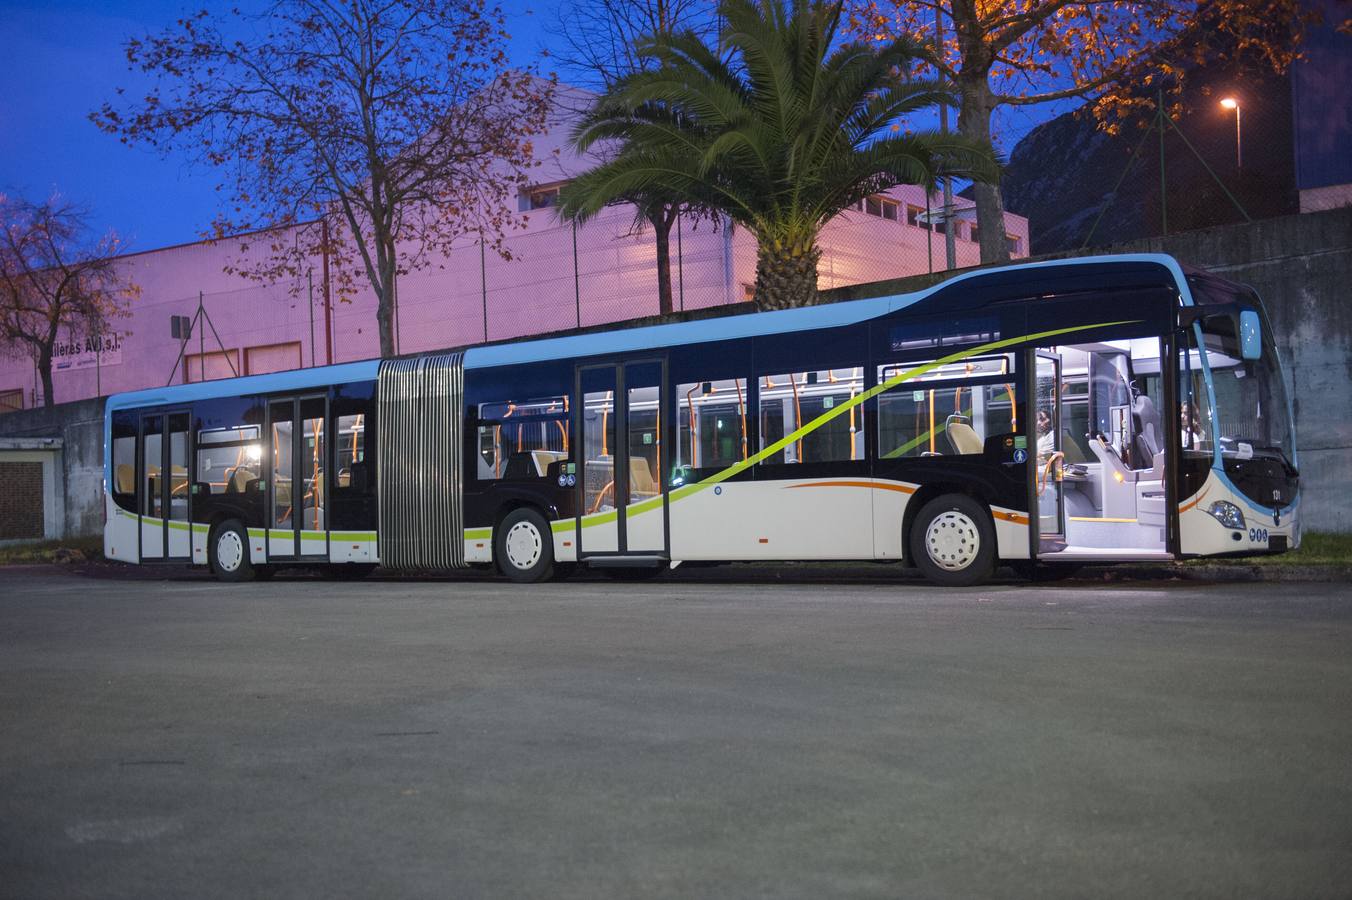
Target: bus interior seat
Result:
[[1147, 441], [239, 480], [543, 459], [125, 479], [641, 481], [1071, 449], [962, 436]]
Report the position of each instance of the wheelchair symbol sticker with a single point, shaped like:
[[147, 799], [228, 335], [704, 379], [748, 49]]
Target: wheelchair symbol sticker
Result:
[[1021, 456]]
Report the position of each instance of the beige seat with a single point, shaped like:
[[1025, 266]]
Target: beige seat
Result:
[[126, 479], [641, 481], [543, 459], [962, 436], [239, 480]]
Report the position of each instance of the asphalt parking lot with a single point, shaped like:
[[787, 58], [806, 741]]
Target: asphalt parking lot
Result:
[[710, 735]]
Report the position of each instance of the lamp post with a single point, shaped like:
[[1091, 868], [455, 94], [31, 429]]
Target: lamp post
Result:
[[1232, 103]]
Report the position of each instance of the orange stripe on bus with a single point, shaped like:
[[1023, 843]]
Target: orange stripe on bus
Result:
[[1187, 506], [1017, 518], [899, 488]]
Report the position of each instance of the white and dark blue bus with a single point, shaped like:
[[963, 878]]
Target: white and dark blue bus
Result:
[[1040, 416]]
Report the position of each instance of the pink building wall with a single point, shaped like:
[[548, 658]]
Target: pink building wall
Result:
[[541, 289]]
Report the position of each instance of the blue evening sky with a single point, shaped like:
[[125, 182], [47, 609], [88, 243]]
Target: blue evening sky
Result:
[[66, 57]]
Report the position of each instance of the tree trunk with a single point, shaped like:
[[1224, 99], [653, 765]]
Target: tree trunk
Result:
[[786, 277], [385, 318], [974, 121], [662, 219], [45, 370]]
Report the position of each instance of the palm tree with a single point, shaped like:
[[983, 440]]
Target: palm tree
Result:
[[780, 132]]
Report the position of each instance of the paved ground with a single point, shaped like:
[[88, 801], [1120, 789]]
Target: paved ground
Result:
[[706, 735]]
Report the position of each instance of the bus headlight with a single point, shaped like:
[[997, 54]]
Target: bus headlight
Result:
[[1227, 514]]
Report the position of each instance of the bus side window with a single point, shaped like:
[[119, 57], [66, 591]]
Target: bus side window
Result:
[[350, 459], [791, 400], [711, 424], [123, 485], [947, 419], [520, 440]]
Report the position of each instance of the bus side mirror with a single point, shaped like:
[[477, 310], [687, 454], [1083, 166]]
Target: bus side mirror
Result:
[[1250, 334]]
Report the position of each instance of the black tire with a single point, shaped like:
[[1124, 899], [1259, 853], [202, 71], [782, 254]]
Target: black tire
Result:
[[228, 552], [953, 541], [523, 547], [347, 571]]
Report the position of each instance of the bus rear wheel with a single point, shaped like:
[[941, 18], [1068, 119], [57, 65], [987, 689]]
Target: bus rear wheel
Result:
[[228, 552], [953, 541], [524, 547]]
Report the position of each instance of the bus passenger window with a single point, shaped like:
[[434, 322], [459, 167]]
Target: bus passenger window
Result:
[[946, 418], [351, 437], [229, 459], [711, 423], [790, 401], [521, 440], [124, 471]]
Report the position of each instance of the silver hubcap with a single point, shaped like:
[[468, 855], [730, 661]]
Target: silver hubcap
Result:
[[524, 545], [229, 550], [953, 541]]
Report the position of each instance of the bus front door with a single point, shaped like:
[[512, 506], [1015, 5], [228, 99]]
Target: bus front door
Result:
[[1047, 461], [163, 487], [621, 494]]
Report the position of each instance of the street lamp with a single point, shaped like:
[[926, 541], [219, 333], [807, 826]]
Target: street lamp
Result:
[[1232, 103]]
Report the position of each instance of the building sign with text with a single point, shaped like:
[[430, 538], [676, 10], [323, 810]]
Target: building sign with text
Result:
[[88, 351]]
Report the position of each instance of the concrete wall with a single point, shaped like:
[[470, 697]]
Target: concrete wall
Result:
[[1302, 268], [79, 427]]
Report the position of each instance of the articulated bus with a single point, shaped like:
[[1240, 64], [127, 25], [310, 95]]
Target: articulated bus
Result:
[[1039, 416]]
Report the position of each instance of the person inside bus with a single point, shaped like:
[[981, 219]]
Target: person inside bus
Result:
[[1190, 426], [1046, 438]]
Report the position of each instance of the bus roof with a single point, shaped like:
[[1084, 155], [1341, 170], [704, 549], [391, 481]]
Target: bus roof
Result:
[[809, 318], [624, 340]]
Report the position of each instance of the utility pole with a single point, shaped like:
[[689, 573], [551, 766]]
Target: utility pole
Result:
[[950, 248]]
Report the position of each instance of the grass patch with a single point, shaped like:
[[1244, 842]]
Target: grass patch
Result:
[[72, 550], [1317, 548]]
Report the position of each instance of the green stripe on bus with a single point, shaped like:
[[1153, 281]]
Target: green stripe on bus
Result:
[[478, 534], [899, 378], [352, 535]]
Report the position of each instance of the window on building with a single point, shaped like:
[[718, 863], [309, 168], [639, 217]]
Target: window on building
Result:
[[952, 412], [883, 208], [791, 400], [542, 197], [1014, 245], [711, 425], [11, 400], [521, 440], [211, 365], [974, 234], [915, 216], [272, 358]]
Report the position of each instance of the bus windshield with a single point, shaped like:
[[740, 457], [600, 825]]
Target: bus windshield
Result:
[[1251, 417]]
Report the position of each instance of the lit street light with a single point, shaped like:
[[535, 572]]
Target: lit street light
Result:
[[1232, 103]]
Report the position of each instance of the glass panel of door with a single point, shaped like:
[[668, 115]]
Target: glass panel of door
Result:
[[310, 475], [597, 488], [152, 487], [178, 526], [1048, 460], [644, 529], [281, 522]]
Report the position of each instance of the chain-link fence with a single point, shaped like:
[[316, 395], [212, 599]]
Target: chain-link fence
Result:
[[554, 276]]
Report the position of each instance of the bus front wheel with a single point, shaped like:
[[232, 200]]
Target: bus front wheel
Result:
[[524, 547], [229, 552], [953, 541]]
